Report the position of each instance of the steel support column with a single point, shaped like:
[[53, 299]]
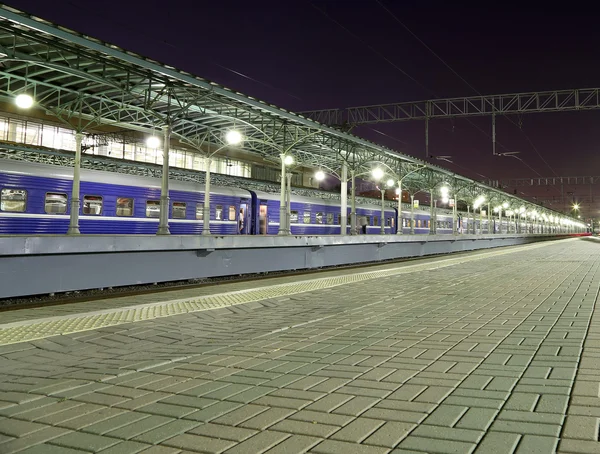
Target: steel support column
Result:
[[344, 197], [431, 213], [412, 214], [288, 204], [282, 207], [75, 196], [353, 226], [163, 223], [399, 226], [206, 207], [382, 220], [500, 221], [454, 220]]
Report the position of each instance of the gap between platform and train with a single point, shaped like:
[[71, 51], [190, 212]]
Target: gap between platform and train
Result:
[[28, 330]]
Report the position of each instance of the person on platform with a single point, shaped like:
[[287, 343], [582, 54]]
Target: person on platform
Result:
[[363, 224]]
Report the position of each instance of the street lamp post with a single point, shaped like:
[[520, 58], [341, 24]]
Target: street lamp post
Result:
[[431, 213], [286, 160], [232, 137]]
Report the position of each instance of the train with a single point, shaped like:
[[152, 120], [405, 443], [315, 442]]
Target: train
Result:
[[35, 199]]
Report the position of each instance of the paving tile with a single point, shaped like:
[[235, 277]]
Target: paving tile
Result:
[[581, 427], [236, 434], [84, 441], [390, 434], [477, 419], [433, 445], [355, 406], [41, 436], [447, 433], [313, 429], [535, 444], [260, 442], [296, 444], [166, 431], [357, 430], [198, 443], [267, 418], [446, 415], [341, 447]]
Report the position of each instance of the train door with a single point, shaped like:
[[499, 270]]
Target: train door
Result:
[[263, 220], [243, 218]]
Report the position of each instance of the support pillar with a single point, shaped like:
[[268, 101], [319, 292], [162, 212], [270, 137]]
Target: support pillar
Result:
[[493, 134], [353, 226], [468, 219], [344, 197], [399, 226], [206, 207], [282, 208], [382, 219], [489, 220], [288, 205], [163, 223], [500, 221], [431, 213], [454, 220], [412, 214], [75, 200], [427, 113]]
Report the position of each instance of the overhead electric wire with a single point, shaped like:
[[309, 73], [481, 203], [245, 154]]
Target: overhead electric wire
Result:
[[470, 86], [371, 48]]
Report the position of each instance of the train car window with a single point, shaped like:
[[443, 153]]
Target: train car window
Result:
[[232, 212], [375, 220], [319, 218], [13, 200], [294, 216], [55, 203], [368, 220], [124, 206], [307, 217], [92, 205], [329, 218], [179, 210], [219, 212], [338, 219], [200, 211], [152, 208]]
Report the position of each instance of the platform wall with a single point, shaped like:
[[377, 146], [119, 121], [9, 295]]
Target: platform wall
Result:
[[52, 264]]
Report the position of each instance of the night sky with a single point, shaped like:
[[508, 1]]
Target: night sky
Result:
[[305, 55]]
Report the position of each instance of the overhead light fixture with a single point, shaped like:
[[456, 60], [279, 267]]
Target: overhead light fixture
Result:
[[377, 173], [24, 101], [233, 137], [153, 142]]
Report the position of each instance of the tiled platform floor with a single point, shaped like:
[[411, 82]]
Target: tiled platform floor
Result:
[[495, 354]]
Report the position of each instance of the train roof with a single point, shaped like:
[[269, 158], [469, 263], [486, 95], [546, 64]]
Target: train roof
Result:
[[314, 200], [99, 176]]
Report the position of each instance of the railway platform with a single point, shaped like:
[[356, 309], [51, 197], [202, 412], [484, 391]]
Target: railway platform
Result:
[[493, 351]]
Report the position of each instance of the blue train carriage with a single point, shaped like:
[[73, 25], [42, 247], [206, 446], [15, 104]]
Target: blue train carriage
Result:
[[35, 199], [421, 219], [372, 213], [313, 216]]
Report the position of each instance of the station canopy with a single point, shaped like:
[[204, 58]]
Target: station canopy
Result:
[[90, 84]]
